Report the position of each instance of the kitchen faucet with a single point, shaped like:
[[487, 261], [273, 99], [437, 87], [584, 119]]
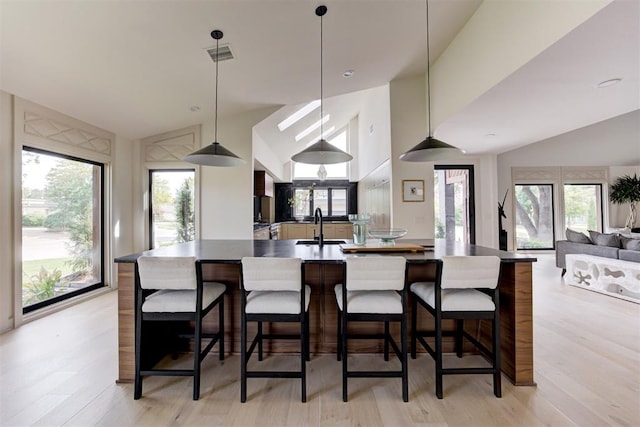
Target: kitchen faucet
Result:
[[317, 216]]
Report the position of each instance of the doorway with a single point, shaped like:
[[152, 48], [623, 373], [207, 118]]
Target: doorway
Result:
[[454, 204]]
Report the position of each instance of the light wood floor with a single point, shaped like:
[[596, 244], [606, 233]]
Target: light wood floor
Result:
[[60, 370]]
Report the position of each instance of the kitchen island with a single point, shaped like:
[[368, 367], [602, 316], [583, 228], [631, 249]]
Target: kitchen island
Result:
[[324, 269]]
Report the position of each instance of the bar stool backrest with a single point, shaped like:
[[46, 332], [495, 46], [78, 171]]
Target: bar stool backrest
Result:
[[167, 272], [272, 274], [464, 272], [375, 273]]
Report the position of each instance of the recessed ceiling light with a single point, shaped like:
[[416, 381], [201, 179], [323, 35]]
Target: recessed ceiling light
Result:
[[298, 115], [609, 82], [311, 128], [194, 108], [348, 74], [490, 134]]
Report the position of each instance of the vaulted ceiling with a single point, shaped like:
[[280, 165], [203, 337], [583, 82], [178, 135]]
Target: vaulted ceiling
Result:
[[139, 68]]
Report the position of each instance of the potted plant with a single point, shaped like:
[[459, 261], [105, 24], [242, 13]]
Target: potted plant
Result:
[[626, 189]]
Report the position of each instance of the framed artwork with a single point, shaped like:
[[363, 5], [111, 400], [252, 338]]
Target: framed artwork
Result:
[[413, 190]]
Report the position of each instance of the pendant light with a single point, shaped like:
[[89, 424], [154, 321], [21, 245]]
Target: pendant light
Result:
[[322, 173], [321, 153], [430, 149], [215, 154]]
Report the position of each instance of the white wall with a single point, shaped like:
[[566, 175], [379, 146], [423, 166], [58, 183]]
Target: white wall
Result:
[[374, 132], [618, 213], [226, 194], [7, 249], [263, 153], [614, 143], [122, 201], [409, 127]]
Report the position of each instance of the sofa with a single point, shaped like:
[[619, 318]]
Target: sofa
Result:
[[615, 246]]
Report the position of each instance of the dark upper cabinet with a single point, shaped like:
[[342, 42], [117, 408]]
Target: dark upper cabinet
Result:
[[262, 184]]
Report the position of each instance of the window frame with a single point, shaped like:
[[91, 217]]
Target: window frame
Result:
[[472, 196], [553, 215], [102, 199], [601, 186], [558, 176], [329, 186], [150, 172]]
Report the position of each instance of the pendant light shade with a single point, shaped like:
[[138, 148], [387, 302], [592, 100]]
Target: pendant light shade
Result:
[[430, 149], [321, 152], [215, 154]]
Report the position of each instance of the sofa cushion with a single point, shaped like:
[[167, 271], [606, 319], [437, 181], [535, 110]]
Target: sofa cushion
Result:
[[629, 243], [564, 247], [629, 255], [577, 237], [602, 239]]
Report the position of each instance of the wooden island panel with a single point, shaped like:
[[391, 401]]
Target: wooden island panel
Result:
[[515, 300]]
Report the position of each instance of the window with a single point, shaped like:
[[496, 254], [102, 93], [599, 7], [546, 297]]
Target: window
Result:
[[62, 227], [171, 210], [307, 196], [534, 216], [583, 207], [336, 171], [301, 202]]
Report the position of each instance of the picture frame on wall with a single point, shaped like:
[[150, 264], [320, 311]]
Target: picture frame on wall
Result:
[[413, 190]]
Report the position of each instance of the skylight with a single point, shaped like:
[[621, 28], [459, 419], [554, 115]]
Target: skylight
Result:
[[311, 128], [298, 115], [324, 134]]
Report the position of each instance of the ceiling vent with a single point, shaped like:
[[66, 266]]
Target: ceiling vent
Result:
[[224, 53]]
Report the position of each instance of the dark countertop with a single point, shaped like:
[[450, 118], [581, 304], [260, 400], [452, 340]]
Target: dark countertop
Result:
[[232, 251], [324, 221], [257, 226]]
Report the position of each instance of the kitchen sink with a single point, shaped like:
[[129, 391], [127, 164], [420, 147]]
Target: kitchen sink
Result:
[[315, 242]]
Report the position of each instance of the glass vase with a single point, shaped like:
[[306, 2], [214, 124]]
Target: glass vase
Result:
[[359, 228]]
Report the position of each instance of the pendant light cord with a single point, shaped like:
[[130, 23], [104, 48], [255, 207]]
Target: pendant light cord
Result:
[[428, 74], [321, 84], [215, 126]]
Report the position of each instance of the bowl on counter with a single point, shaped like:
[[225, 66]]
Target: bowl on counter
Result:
[[387, 235]]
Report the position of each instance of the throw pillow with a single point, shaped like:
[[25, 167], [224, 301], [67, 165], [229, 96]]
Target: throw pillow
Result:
[[629, 243], [602, 239], [577, 237]]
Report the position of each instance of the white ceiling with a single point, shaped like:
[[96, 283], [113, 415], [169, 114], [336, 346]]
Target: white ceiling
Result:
[[137, 67], [557, 91]]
